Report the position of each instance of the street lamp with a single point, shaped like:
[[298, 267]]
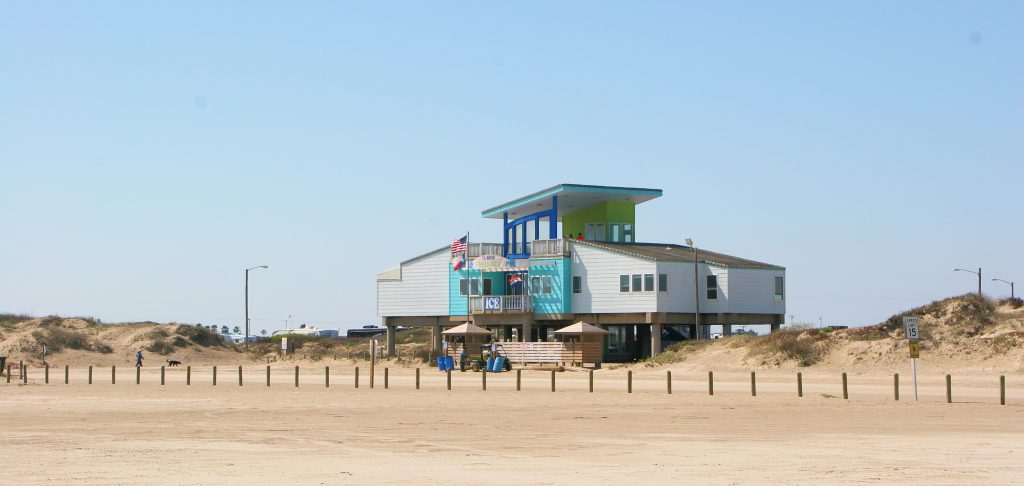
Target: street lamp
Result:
[[696, 287], [978, 273], [247, 302], [1005, 282]]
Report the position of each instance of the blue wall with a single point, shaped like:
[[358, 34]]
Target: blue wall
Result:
[[560, 271], [456, 302]]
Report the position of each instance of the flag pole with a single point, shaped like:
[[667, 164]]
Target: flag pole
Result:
[[469, 279]]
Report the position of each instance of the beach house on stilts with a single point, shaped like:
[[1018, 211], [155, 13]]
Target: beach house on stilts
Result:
[[570, 254]]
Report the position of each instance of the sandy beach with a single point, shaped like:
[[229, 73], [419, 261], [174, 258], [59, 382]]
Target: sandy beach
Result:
[[201, 434]]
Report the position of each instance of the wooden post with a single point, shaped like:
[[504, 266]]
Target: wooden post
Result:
[[162, 375], [519, 380], [65, 374], [800, 385], [90, 374], [357, 377], [188, 375], [268, 375], [449, 373], [239, 376], [385, 378], [327, 376], [846, 394], [896, 386], [668, 381], [138, 375], [629, 381], [113, 375], [24, 374], [1002, 390], [214, 376], [552, 380], [296, 376], [46, 374], [949, 389], [417, 378], [372, 371], [8, 372], [753, 384], [591, 373], [483, 380], [711, 382]]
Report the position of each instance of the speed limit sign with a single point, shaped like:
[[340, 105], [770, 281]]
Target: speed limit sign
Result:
[[911, 328]]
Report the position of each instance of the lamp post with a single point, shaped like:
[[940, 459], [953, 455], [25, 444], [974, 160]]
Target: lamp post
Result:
[[247, 303], [978, 273], [696, 287], [1005, 282]]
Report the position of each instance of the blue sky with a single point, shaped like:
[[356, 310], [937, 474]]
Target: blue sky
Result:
[[150, 152]]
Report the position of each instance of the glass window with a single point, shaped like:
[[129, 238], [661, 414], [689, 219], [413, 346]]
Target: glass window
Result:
[[780, 286], [616, 232], [475, 286], [534, 285], [648, 282], [623, 283], [577, 284], [627, 233], [546, 285], [488, 286], [636, 282], [463, 286], [712, 287], [662, 282]]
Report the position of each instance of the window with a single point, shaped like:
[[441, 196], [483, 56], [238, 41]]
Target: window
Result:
[[637, 281], [712, 287], [780, 286], [623, 283], [662, 282], [541, 285], [577, 284], [648, 282], [488, 286], [627, 233], [463, 286], [474, 285], [595, 232], [616, 229]]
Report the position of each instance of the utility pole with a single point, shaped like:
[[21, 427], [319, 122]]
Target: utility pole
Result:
[[247, 303], [696, 287], [1010, 282], [978, 273]]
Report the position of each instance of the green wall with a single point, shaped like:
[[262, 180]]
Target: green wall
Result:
[[606, 212]]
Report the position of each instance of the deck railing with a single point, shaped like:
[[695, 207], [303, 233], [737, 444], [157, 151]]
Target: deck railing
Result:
[[487, 304], [480, 249], [541, 248]]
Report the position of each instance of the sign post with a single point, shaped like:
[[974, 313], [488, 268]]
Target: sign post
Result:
[[913, 332]]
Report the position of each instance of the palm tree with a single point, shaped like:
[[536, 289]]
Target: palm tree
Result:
[[237, 330], [223, 329], [263, 332]]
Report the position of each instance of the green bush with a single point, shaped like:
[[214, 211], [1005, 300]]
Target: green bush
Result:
[[788, 345], [199, 335]]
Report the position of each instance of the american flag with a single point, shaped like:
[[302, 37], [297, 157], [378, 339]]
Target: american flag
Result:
[[515, 278], [459, 245]]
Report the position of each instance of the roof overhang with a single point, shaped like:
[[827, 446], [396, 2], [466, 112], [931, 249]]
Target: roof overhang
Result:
[[571, 198]]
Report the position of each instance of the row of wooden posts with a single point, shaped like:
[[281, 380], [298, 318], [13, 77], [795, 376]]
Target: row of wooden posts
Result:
[[483, 376]]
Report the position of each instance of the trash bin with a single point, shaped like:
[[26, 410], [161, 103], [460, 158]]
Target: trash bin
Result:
[[3, 363], [449, 362], [490, 364], [442, 362]]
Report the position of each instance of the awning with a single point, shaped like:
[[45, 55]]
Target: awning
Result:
[[581, 328]]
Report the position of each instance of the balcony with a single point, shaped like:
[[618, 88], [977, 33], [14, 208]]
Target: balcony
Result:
[[500, 304], [480, 249], [542, 248]]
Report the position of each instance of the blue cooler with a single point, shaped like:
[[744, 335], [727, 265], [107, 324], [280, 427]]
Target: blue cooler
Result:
[[441, 362], [490, 364], [449, 362], [499, 363]]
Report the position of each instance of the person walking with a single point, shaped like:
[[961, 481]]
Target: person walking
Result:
[[138, 359]]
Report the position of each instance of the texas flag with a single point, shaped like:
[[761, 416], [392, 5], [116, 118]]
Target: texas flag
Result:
[[515, 278], [458, 262]]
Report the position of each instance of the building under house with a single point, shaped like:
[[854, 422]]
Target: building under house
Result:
[[570, 253]]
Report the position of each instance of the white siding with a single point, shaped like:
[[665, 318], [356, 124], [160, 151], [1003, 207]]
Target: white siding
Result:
[[679, 297], [421, 287], [753, 291], [599, 271]]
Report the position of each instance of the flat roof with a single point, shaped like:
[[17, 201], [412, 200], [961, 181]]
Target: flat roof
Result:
[[571, 197]]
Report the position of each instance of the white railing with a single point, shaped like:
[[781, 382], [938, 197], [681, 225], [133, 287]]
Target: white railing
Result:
[[480, 249], [500, 303], [558, 247]]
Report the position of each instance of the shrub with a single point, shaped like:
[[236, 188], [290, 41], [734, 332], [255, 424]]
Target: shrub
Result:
[[199, 335], [869, 333], [58, 338], [160, 347], [788, 345], [1013, 302], [8, 321], [1005, 342]]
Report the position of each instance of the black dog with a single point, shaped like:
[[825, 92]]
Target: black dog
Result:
[[172, 362]]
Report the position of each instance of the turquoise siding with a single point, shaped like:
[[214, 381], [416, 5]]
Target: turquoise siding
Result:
[[456, 302], [560, 300]]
